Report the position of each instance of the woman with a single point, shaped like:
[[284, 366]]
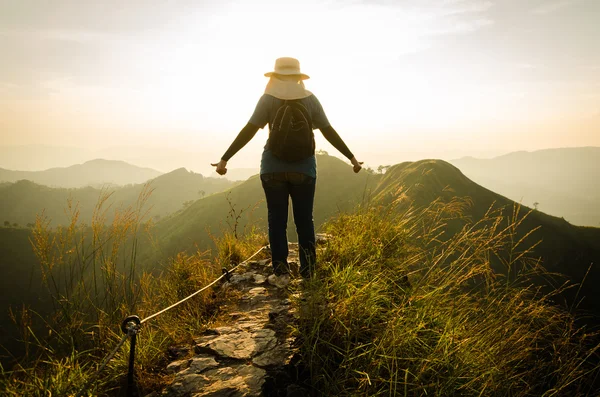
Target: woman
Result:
[[283, 179]]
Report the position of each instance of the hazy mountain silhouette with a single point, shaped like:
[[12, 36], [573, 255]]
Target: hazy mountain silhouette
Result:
[[565, 248], [20, 202], [561, 181], [427, 180], [338, 189], [91, 173], [161, 158]]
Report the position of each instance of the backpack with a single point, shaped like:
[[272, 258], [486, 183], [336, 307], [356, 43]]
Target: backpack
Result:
[[291, 136]]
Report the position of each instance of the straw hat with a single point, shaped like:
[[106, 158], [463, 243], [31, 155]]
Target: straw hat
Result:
[[287, 66]]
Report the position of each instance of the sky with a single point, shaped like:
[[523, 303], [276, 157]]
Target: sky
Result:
[[399, 80]]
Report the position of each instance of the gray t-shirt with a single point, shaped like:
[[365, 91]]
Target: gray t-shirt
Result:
[[265, 113]]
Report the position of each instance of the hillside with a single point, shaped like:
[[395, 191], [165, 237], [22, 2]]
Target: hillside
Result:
[[338, 189], [379, 263], [20, 202], [91, 173], [564, 248], [20, 283], [558, 179]]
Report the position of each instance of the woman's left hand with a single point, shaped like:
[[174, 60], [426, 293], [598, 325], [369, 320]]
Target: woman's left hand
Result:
[[357, 165], [221, 167]]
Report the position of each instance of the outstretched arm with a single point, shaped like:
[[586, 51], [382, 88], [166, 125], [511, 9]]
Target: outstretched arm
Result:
[[245, 135], [332, 137]]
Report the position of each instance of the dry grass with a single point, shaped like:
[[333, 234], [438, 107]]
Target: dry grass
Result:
[[399, 307], [94, 280]]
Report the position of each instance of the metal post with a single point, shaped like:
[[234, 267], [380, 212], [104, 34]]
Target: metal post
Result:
[[131, 326], [130, 380]]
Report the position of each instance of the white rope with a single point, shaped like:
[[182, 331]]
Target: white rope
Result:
[[200, 290], [130, 330]]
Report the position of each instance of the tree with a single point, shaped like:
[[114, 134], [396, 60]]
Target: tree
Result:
[[6, 224], [535, 205], [202, 193], [15, 224], [382, 169], [30, 225]]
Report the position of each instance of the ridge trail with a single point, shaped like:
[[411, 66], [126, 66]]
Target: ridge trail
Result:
[[254, 353]]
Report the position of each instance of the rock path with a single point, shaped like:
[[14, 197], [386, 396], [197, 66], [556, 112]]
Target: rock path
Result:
[[251, 355]]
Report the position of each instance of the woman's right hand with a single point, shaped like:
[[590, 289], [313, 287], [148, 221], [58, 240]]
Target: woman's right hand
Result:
[[357, 166], [221, 170]]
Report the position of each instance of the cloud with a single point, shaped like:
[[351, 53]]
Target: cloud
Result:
[[60, 35], [462, 26], [440, 17], [23, 92], [553, 6], [35, 56], [459, 7], [91, 15], [460, 16], [525, 66]]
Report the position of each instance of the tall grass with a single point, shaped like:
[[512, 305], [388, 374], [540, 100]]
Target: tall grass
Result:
[[238, 241], [401, 307], [94, 280]]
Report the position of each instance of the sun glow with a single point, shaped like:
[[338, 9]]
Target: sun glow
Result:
[[408, 77], [210, 75], [217, 69]]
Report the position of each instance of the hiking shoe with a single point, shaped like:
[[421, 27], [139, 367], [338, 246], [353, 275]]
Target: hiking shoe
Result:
[[279, 281]]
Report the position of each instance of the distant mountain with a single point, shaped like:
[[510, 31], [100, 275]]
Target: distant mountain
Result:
[[565, 248], [91, 173], [338, 189], [238, 174], [20, 202], [162, 158], [563, 182], [180, 187]]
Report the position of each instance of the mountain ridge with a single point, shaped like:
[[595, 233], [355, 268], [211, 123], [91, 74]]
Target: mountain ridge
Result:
[[90, 173], [564, 248], [187, 229], [21, 201], [558, 180], [538, 151]]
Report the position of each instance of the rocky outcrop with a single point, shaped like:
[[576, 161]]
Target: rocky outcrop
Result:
[[251, 355]]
